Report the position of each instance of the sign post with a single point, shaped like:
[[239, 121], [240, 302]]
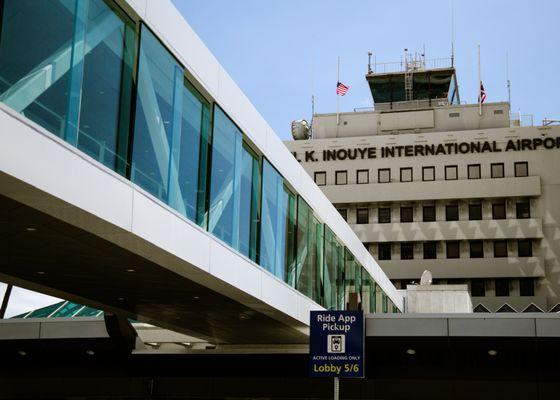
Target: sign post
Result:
[[336, 345]]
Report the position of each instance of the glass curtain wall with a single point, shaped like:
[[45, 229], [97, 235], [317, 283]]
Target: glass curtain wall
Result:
[[309, 262], [368, 292], [353, 282], [278, 225], [234, 187], [67, 65], [333, 271]]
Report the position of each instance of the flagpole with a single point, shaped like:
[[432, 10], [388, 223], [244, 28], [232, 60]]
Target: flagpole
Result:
[[337, 96], [479, 86]]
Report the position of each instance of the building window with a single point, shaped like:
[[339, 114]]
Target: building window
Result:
[[526, 287], [320, 178], [525, 248], [384, 251], [477, 249], [523, 210], [341, 177], [429, 213], [362, 216], [344, 213], [478, 287], [499, 210], [497, 170], [362, 176], [407, 251], [453, 250], [452, 212], [500, 248], [475, 212], [406, 174], [521, 168], [384, 175], [451, 172], [430, 250], [384, 215], [428, 173], [473, 171], [502, 287], [407, 214]]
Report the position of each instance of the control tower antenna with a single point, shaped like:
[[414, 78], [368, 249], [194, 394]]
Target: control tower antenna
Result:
[[452, 33], [507, 79], [369, 54]]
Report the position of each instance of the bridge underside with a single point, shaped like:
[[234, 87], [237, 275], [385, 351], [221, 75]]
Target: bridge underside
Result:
[[43, 253]]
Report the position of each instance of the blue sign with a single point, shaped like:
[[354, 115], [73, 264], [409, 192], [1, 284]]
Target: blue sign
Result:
[[336, 344]]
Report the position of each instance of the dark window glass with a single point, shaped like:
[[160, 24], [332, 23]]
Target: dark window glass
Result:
[[384, 175], [428, 173], [341, 177], [525, 248], [502, 287], [451, 172], [452, 212], [384, 250], [497, 170], [499, 210], [344, 213], [473, 171], [429, 213], [477, 249], [523, 209], [407, 251], [362, 216], [478, 287], [521, 168], [384, 215], [475, 212], [406, 174], [362, 176], [527, 287], [453, 250], [321, 178], [430, 250], [407, 214], [500, 248]]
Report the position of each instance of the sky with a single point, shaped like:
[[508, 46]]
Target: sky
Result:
[[279, 52]]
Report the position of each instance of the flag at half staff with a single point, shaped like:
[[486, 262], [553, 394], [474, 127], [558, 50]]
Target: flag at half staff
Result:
[[341, 89], [482, 94]]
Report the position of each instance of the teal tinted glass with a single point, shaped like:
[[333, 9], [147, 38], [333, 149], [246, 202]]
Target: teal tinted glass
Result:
[[234, 187], [353, 282], [331, 270], [368, 292], [67, 310]]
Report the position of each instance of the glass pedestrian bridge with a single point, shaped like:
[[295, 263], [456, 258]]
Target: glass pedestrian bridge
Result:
[[135, 176]]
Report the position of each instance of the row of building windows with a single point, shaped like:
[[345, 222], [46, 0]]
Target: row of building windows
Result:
[[125, 100], [453, 249], [481, 287], [384, 214], [428, 173]]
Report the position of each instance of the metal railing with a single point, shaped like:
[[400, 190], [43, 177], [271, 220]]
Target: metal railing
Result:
[[404, 65]]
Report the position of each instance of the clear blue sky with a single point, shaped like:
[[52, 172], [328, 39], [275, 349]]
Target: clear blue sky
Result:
[[271, 47]]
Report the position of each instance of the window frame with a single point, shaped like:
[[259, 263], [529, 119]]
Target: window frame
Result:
[[379, 215], [473, 253], [407, 209], [343, 213], [406, 169], [448, 207], [469, 171], [525, 285], [479, 281], [336, 174], [497, 165], [528, 253], [452, 167], [380, 171], [381, 250], [494, 212], [424, 219], [358, 215], [471, 206], [408, 246], [426, 250], [525, 163], [518, 212], [448, 245], [506, 289], [318, 173], [428, 168], [358, 176], [498, 254]]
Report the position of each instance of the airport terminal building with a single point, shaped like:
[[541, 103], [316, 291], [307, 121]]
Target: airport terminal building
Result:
[[428, 182]]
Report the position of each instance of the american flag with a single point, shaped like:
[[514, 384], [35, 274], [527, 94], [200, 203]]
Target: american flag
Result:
[[341, 89], [482, 94]]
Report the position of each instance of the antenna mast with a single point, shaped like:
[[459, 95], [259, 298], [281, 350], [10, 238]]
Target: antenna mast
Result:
[[507, 79], [452, 33]]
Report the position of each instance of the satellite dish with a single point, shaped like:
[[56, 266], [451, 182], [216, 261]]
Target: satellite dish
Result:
[[426, 278], [300, 129]]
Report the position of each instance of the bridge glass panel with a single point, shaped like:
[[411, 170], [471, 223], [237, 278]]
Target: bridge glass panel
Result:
[[277, 227], [309, 252], [332, 270], [368, 292], [353, 282]]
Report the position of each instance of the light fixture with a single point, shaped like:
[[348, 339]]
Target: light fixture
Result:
[[130, 270], [196, 297], [90, 352], [120, 298], [187, 344], [22, 353], [41, 272], [411, 352], [30, 229], [492, 352]]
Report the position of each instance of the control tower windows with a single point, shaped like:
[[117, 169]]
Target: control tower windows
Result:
[[521, 168], [502, 287], [451, 173], [499, 210], [452, 212], [407, 251], [453, 249], [473, 171], [525, 248], [428, 173], [320, 178], [477, 249], [527, 286], [429, 213], [384, 215], [523, 209], [406, 174], [475, 212], [341, 177], [430, 250], [497, 170], [362, 216], [407, 214], [362, 176], [500, 248], [384, 175], [384, 251]]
